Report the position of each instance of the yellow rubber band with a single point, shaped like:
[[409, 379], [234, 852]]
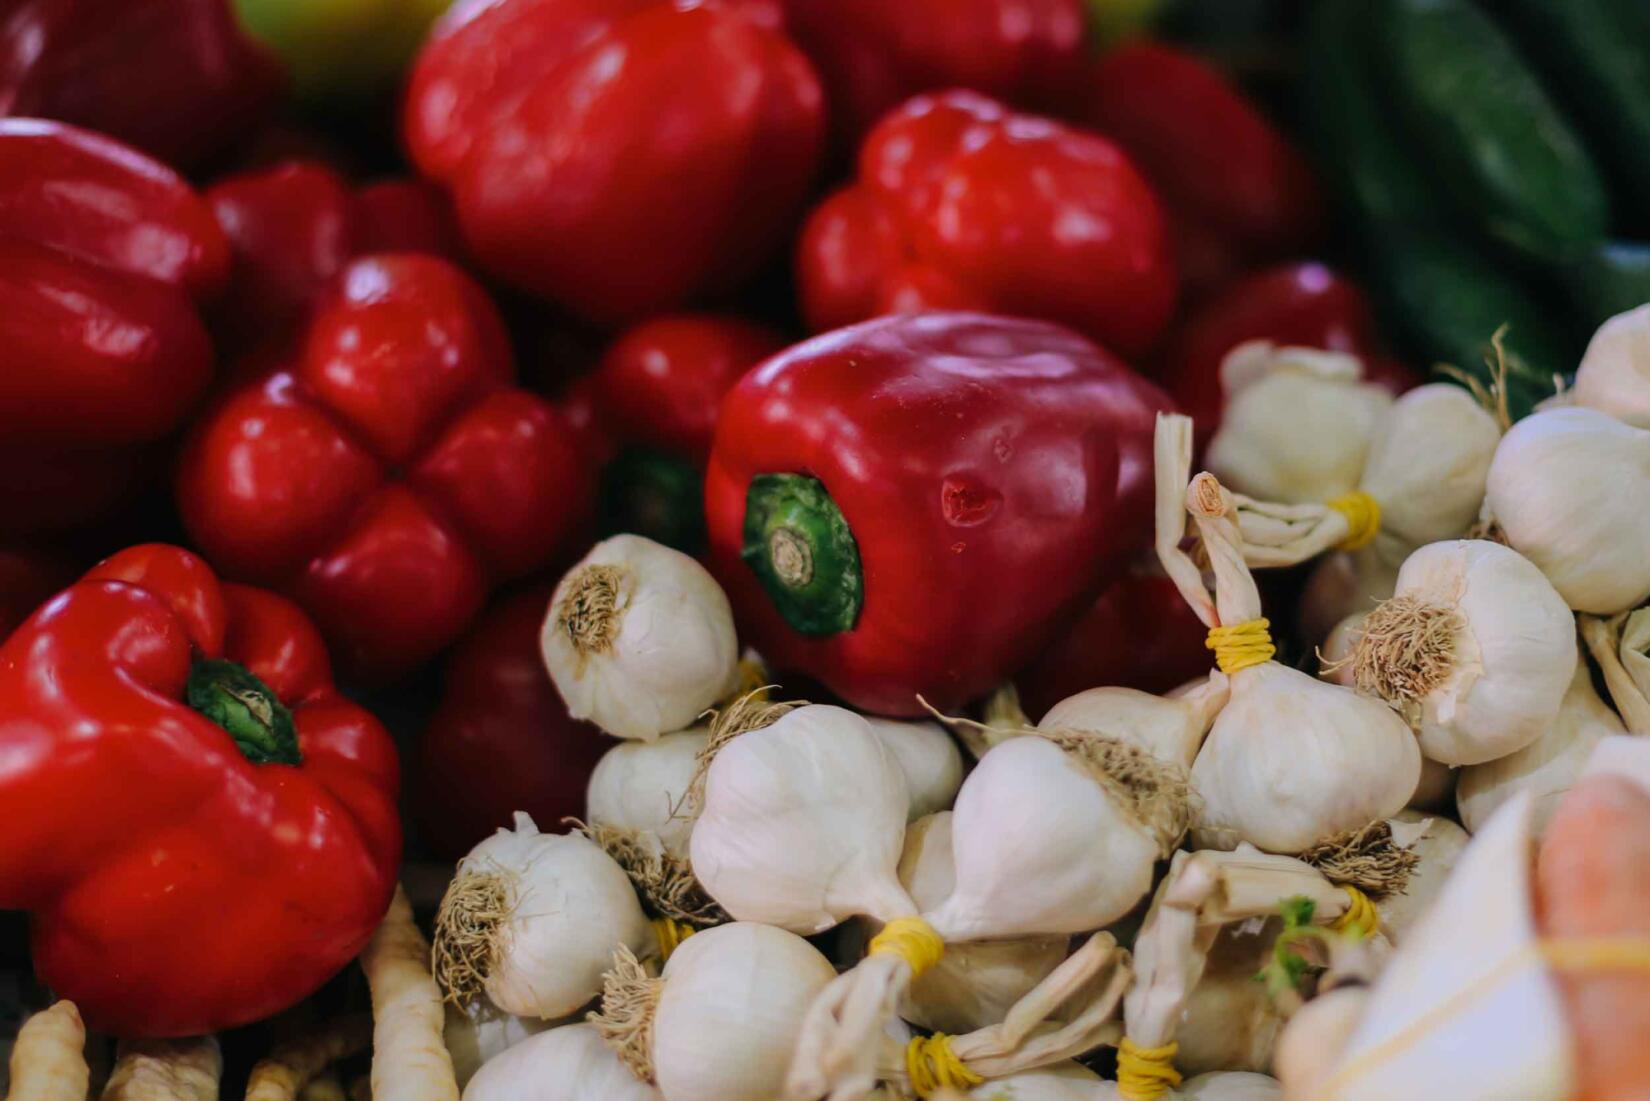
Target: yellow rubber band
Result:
[[1360, 917], [1585, 954], [913, 940], [671, 934], [1363, 518], [932, 1066], [1241, 645], [1145, 1073]]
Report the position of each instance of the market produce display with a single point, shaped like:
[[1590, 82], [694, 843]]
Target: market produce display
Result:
[[824, 550]]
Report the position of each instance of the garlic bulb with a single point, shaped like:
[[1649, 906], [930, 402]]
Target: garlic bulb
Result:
[[639, 639], [1170, 729], [532, 919], [1570, 489], [1064, 1082], [1548, 766], [479, 1031], [642, 787], [1614, 376], [1428, 465], [1437, 843], [569, 1063], [720, 1023], [1475, 648], [1230, 1022], [1230, 1086], [929, 760]]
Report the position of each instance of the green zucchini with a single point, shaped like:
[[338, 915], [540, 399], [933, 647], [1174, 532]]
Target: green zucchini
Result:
[[1482, 120], [1614, 279]]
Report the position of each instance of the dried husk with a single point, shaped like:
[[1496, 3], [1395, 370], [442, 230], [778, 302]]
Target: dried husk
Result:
[[664, 882], [1621, 646]]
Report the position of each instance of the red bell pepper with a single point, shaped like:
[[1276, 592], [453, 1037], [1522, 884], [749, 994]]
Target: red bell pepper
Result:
[[873, 54], [961, 204], [392, 474], [617, 156], [201, 828], [501, 740], [101, 251], [27, 578], [176, 78], [1228, 175], [911, 505]]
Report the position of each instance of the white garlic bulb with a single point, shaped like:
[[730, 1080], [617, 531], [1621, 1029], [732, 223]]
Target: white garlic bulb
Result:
[[1298, 423], [928, 758], [1233, 1085], [1570, 488], [532, 919], [1437, 843], [1428, 464], [1547, 767], [1475, 648], [479, 1031], [1063, 1082], [639, 639], [1230, 1022], [569, 1063], [643, 786], [1170, 729], [1614, 376]]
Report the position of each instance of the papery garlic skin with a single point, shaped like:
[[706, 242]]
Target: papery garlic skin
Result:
[[1438, 848], [1300, 432], [664, 650], [1170, 729], [480, 1031], [1230, 1086], [1061, 1082], [570, 908], [1512, 660], [803, 822], [1429, 462], [1546, 768], [1229, 1022], [929, 760], [1039, 847], [642, 786], [1570, 489], [1614, 376], [568, 1063], [730, 1011], [1291, 761]]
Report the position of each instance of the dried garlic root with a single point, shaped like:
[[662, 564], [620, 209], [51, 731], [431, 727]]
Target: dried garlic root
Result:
[[166, 1070], [291, 1066], [48, 1062], [410, 1061]]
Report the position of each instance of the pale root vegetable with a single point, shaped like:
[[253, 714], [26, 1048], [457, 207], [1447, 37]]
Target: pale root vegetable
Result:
[[409, 1060], [48, 1061], [567, 1063], [1593, 880], [639, 639], [1614, 375], [643, 787], [929, 760], [531, 920], [282, 1074], [479, 1031], [1437, 843], [167, 1070], [1548, 766]]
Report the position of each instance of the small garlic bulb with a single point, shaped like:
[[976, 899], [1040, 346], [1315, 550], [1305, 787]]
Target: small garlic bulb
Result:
[[1475, 648], [639, 639], [532, 919], [569, 1063], [1061, 1082], [479, 1031], [1428, 464], [1298, 423], [1546, 768], [1436, 842], [1570, 488], [643, 786], [1233, 1085], [928, 758], [1230, 1022], [1170, 729], [1614, 376]]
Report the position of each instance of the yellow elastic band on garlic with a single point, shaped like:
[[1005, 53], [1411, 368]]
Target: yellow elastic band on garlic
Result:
[[671, 933], [1241, 645], [912, 940], [1363, 518], [1145, 1073], [932, 1066], [1360, 916]]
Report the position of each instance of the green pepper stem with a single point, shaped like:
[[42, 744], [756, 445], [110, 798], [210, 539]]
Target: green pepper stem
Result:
[[246, 707], [800, 546]]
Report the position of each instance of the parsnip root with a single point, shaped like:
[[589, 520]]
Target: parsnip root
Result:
[[292, 1065], [166, 1070], [48, 1062], [409, 1060]]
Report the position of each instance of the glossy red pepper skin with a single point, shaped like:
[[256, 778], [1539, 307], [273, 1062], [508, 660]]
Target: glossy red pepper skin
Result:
[[392, 474], [176, 888], [501, 739], [176, 78], [961, 204], [873, 54], [1220, 165], [988, 470], [618, 157]]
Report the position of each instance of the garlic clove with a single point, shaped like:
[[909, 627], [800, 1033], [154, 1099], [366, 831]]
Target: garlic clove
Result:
[[643, 786], [1614, 376], [568, 1063], [929, 760]]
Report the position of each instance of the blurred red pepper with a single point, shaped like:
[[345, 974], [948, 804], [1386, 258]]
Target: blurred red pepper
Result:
[[962, 205], [176, 78], [617, 156], [501, 741], [101, 251], [27, 577], [911, 505], [393, 474], [1228, 175], [294, 226], [202, 829], [873, 54]]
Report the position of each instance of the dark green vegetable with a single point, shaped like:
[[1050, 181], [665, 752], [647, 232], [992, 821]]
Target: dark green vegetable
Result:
[[1613, 280], [1482, 121]]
